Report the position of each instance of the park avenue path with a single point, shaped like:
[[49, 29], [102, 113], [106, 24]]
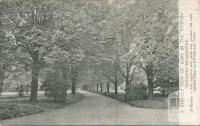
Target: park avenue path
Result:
[[94, 109]]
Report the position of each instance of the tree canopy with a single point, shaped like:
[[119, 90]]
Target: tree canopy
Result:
[[112, 40]]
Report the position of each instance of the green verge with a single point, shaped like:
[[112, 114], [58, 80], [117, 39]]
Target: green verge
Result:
[[150, 104], [11, 108]]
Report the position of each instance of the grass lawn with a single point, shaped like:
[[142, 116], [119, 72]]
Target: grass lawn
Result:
[[20, 106], [50, 104], [119, 96], [155, 103]]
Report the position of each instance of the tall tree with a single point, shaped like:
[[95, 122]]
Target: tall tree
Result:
[[7, 57], [36, 31], [157, 27], [7, 48]]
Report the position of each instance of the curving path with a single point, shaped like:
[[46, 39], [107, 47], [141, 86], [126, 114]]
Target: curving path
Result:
[[94, 109]]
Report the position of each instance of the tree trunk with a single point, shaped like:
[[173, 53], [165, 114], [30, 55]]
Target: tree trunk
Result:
[[65, 83], [116, 83], [34, 84], [73, 79], [97, 88], [150, 88], [126, 87], [108, 87], [46, 88], [150, 76], [116, 89], [116, 80], [127, 81], [64, 96], [101, 88], [73, 86], [35, 72], [1, 85]]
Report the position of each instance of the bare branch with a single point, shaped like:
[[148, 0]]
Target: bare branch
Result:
[[129, 65], [48, 50], [26, 46], [141, 66], [132, 75], [122, 73], [108, 77]]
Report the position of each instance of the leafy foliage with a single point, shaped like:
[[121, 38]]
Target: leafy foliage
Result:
[[136, 91], [57, 86], [109, 40]]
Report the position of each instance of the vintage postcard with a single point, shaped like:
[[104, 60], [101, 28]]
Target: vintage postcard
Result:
[[99, 62]]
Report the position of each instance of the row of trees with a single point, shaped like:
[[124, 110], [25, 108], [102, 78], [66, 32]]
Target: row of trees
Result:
[[46, 36], [140, 40], [115, 40]]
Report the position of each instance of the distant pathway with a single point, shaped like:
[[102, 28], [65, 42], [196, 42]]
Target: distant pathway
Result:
[[94, 109]]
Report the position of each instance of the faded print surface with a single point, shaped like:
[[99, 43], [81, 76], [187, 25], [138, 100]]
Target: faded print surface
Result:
[[88, 62]]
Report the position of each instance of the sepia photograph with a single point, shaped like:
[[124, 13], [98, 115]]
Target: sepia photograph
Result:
[[89, 62]]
